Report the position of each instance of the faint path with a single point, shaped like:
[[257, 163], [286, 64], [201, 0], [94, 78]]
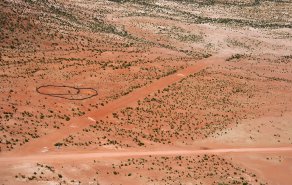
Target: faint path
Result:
[[77, 124], [94, 155]]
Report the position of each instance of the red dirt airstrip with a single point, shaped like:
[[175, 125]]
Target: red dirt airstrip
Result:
[[145, 92]]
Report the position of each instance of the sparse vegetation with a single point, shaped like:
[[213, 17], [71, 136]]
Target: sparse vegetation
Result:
[[143, 75]]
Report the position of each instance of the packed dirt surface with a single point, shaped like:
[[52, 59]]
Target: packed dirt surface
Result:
[[78, 156], [146, 92]]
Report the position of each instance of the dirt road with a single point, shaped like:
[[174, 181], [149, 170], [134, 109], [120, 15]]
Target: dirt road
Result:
[[94, 155], [77, 124]]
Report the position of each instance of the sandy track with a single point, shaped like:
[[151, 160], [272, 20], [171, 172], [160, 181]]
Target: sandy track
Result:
[[93, 155], [77, 124]]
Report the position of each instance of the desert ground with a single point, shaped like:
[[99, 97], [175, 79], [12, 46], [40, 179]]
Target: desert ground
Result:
[[189, 92]]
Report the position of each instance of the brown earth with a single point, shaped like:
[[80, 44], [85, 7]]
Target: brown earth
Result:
[[145, 92]]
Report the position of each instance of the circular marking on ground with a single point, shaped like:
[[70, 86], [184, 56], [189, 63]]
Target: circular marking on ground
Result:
[[67, 92]]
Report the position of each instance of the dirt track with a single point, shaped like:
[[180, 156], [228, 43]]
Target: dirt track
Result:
[[80, 123], [79, 156]]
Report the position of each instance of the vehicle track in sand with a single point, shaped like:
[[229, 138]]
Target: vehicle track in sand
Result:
[[77, 124], [117, 154]]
